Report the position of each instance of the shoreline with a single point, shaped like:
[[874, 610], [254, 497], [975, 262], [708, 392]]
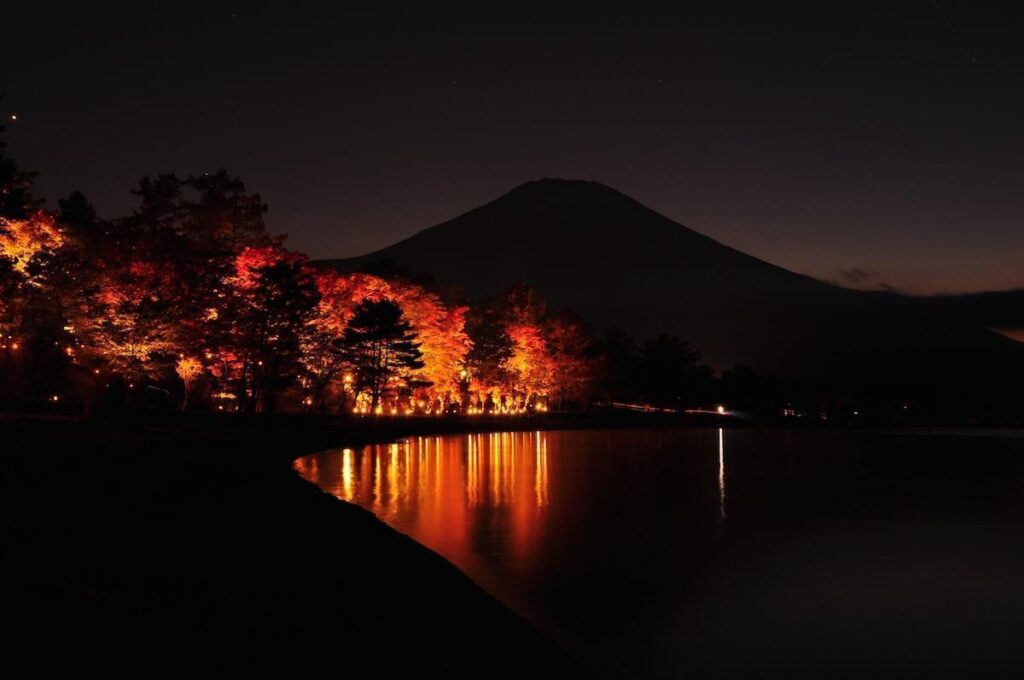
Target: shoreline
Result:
[[145, 536], [189, 535]]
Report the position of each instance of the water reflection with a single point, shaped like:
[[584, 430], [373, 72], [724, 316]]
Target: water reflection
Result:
[[721, 478], [445, 492], [614, 542]]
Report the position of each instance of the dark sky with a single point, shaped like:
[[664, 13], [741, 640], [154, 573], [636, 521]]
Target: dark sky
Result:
[[883, 140]]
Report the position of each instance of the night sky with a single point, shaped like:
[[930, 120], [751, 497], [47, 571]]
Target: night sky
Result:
[[867, 144]]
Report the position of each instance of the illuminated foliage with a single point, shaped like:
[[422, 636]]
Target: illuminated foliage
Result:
[[571, 352], [188, 369], [130, 323], [530, 365], [441, 335], [23, 240], [381, 346], [190, 294], [491, 350], [439, 330], [270, 301]]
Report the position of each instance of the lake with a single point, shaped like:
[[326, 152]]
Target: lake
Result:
[[724, 552]]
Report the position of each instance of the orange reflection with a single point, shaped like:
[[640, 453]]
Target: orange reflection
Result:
[[442, 490], [347, 487]]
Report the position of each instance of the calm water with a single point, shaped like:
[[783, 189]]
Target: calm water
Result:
[[654, 553]]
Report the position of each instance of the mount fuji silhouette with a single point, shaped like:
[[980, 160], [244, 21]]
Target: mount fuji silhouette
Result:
[[620, 264]]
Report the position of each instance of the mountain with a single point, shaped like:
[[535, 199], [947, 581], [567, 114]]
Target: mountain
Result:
[[619, 263]]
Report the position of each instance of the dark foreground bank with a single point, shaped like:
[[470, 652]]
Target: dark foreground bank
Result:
[[192, 542]]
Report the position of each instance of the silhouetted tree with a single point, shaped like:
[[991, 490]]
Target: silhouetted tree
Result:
[[620, 374], [382, 348], [492, 348], [263, 322], [671, 372], [16, 201]]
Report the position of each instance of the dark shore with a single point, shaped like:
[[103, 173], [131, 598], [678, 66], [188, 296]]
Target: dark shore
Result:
[[189, 540]]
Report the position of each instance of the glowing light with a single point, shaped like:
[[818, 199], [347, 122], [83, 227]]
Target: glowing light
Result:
[[347, 473], [721, 410], [721, 475]]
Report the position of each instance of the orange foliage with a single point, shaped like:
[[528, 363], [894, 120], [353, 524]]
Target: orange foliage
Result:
[[530, 365], [440, 329], [21, 240], [252, 259], [188, 369]]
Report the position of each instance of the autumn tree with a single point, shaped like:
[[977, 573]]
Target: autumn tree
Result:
[[440, 331], [382, 349], [439, 327], [262, 322], [530, 365], [573, 355], [188, 369], [31, 326], [491, 350], [160, 277], [324, 353]]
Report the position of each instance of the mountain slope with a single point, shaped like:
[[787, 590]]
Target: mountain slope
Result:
[[618, 263]]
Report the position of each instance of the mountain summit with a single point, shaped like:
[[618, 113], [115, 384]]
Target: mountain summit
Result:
[[618, 263]]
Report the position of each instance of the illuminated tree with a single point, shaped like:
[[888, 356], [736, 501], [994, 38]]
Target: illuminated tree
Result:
[[572, 356], [442, 338], [24, 239], [131, 323], [30, 310], [382, 349], [530, 365], [188, 369], [262, 323], [440, 330], [492, 348]]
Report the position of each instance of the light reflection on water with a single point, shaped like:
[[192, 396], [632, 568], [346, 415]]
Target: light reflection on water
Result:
[[713, 552], [446, 491]]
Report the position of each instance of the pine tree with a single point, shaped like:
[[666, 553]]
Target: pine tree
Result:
[[382, 348]]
